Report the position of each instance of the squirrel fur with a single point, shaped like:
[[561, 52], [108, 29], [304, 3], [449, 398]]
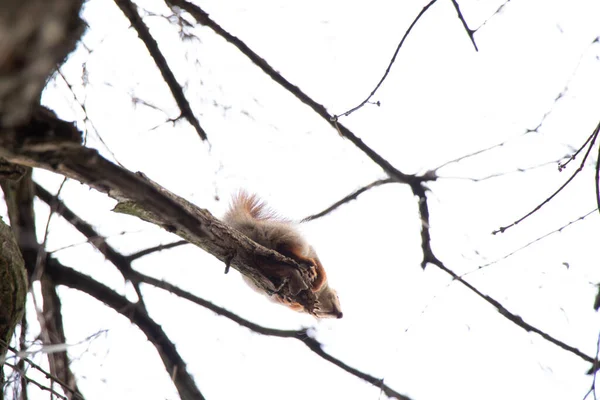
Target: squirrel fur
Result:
[[251, 216]]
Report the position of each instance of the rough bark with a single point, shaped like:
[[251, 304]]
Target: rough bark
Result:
[[13, 290], [36, 36]]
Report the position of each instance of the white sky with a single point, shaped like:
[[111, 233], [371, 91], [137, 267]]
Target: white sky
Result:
[[425, 336]]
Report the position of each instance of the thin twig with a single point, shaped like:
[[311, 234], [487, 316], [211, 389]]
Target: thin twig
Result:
[[83, 107], [154, 249], [36, 383], [469, 31], [530, 243], [539, 206], [389, 67], [350, 197], [23, 358], [498, 10]]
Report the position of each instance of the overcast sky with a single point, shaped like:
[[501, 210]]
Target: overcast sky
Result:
[[425, 335]]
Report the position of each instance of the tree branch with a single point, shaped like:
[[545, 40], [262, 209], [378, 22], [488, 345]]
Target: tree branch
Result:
[[469, 31], [47, 143], [174, 364], [19, 202], [53, 324], [564, 185], [430, 258], [352, 196], [389, 67], [130, 11], [301, 335], [202, 18]]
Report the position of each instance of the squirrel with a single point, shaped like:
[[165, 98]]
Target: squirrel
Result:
[[251, 216]]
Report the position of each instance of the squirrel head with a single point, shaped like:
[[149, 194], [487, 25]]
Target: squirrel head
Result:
[[328, 304]]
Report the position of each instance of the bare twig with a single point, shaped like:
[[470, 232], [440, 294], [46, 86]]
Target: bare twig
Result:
[[469, 31], [36, 383], [500, 174], [498, 11], [473, 154], [539, 206], [598, 179], [563, 165], [47, 374], [389, 67], [87, 118], [560, 229], [592, 390], [154, 249], [350, 197]]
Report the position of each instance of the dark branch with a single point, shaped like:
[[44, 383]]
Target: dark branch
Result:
[[122, 263], [598, 179], [469, 31], [430, 257], [94, 238], [350, 197], [19, 201], [560, 229], [130, 11], [564, 185], [154, 249], [174, 364], [53, 325], [47, 375], [389, 67]]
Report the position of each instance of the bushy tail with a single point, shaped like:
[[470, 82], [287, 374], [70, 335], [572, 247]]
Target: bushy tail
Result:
[[245, 205]]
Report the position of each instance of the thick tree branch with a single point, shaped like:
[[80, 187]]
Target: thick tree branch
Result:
[[59, 361], [19, 201], [13, 289], [130, 11], [47, 143]]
